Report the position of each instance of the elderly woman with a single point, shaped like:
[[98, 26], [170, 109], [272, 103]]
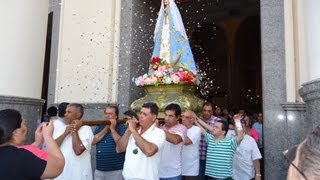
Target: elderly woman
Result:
[[18, 163]]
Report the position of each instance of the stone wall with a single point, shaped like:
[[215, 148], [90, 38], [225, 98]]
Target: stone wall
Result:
[[30, 109], [310, 93]]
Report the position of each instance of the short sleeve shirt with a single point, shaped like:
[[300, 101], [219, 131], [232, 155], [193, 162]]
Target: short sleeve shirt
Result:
[[203, 144], [138, 165], [220, 156], [244, 156], [190, 153], [170, 164], [77, 166], [20, 164], [107, 159]]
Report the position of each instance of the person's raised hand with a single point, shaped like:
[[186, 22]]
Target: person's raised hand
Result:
[[237, 121], [113, 124], [238, 117], [38, 136], [76, 124], [68, 129], [47, 129], [132, 125]]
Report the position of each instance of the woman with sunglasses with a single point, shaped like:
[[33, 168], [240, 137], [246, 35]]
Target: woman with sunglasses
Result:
[[19, 163]]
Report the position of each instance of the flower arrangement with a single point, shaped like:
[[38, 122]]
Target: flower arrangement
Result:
[[165, 73]]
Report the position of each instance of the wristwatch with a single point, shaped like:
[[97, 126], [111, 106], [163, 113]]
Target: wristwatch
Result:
[[258, 174]]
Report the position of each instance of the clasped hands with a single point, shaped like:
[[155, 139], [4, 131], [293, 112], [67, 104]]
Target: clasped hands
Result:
[[73, 127], [132, 124]]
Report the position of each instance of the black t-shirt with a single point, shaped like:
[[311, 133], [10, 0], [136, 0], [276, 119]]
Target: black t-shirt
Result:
[[19, 164]]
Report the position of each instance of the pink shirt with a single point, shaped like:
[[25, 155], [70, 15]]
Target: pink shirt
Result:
[[254, 134], [36, 151], [170, 161]]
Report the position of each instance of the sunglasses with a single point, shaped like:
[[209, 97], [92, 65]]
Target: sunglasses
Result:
[[290, 155]]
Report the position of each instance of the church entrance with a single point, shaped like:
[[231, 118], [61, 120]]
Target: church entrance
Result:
[[229, 59], [226, 43]]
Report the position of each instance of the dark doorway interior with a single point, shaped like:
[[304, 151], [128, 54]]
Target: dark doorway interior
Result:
[[46, 68], [229, 58]]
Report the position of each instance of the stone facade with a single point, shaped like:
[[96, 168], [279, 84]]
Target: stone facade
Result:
[[30, 109], [285, 124], [310, 93]]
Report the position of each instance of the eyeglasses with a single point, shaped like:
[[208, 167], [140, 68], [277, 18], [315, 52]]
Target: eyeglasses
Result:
[[187, 117], [290, 155]]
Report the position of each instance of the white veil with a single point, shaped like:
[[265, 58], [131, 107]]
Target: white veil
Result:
[[176, 17]]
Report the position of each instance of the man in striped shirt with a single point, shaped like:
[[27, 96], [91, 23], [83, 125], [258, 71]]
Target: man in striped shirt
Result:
[[209, 118], [220, 149], [109, 163]]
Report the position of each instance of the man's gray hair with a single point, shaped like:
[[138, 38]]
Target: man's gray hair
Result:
[[78, 106]]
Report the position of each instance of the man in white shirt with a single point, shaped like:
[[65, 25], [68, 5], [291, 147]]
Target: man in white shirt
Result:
[[143, 145], [190, 149], [246, 163], [59, 122], [75, 145]]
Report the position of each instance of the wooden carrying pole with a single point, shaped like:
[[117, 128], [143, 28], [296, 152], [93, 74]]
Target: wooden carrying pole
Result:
[[99, 122]]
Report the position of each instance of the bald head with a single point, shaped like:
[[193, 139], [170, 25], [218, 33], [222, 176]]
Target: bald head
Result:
[[188, 118]]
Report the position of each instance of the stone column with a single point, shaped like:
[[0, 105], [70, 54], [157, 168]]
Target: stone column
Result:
[[310, 91], [274, 87], [84, 60], [22, 49], [312, 29]]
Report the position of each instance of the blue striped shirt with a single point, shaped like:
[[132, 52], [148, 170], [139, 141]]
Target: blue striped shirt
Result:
[[219, 156], [107, 159]]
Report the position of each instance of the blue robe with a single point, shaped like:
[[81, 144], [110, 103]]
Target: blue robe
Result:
[[179, 46]]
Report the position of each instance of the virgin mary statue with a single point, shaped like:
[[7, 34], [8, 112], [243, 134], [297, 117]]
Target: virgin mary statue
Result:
[[170, 39]]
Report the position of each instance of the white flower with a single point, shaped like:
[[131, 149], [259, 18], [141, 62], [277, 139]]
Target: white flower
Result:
[[167, 80]]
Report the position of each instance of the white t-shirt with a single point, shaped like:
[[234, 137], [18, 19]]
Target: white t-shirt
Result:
[[77, 167], [58, 124], [170, 164], [139, 166], [190, 153], [243, 158]]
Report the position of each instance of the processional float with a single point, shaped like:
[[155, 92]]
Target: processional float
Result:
[[172, 73]]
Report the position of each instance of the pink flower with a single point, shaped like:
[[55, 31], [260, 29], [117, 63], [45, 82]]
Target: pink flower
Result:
[[161, 68], [164, 73], [158, 73]]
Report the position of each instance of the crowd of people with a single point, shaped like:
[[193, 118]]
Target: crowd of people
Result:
[[214, 145], [183, 146]]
